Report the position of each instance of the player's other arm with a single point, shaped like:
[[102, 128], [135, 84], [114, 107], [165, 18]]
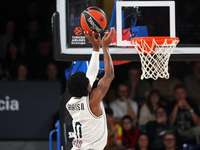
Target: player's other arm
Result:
[[94, 61], [99, 92]]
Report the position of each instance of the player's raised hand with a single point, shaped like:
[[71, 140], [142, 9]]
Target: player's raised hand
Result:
[[107, 39], [96, 43]]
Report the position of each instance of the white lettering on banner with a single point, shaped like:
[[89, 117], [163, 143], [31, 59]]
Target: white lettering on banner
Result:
[[78, 40], [9, 105]]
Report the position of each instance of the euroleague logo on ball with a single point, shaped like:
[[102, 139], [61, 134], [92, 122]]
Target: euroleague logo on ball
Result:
[[78, 31]]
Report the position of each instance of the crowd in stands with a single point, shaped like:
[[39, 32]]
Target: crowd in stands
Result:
[[141, 114], [26, 45], [156, 115]]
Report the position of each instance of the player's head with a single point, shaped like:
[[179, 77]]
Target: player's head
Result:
[[78, 84]]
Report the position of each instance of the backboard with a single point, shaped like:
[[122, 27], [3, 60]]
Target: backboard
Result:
[[131, 19]]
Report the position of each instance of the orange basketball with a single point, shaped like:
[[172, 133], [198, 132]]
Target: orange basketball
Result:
[[93, 19]]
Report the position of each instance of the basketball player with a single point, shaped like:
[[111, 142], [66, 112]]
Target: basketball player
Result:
[[85, 106]]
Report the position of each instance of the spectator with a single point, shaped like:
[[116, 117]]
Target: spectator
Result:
[[185, 114], [2, 76], [52, 72], [142, 142], [148, 109], [32, 37], [166, 86], [123, 105], [12, 59], [52, 75], [192, 83], [169, 141], [114, 132], [139, 89], [130, 133], [156, 129], [40, 62], [6, 38], [22, 72], [31, 12], [9, 35]]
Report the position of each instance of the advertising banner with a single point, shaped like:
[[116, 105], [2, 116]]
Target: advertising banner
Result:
[[28, 110]]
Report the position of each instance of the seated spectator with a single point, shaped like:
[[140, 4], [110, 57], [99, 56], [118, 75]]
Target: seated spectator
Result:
[[52, 72], [123, 105], [184, 114], [130, 133], [9, 35], [166, 86], [2, 76], [156, 129], [148, 109], [192, 83], [142, 142], [32, 36], [114, 132], [139, 89], [12, 59], [40, 61], [32, 11], [22, 72], [169, 141], [52, 75]]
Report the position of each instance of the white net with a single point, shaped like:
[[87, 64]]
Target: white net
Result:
[[154, 58]]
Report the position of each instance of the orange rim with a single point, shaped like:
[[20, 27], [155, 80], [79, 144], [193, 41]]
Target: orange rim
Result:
[[159, 40]]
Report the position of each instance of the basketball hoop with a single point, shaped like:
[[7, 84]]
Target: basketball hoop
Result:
[[154, 54]]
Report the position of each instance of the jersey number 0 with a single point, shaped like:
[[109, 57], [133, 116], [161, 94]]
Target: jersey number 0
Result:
[[78, 130]]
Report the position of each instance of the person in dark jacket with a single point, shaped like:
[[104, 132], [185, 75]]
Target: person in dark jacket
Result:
[[156, 129]]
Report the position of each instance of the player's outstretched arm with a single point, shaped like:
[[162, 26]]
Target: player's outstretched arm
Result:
[[99, 92], [94, 61], [108, 64]]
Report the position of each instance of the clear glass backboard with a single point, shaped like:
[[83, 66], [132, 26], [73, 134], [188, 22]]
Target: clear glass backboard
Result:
[[131, 19]]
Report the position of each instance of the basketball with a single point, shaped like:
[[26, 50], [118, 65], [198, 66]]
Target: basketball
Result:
[[93, 19]]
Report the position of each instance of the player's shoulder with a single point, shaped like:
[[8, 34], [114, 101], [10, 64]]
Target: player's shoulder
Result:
[[71, 100]]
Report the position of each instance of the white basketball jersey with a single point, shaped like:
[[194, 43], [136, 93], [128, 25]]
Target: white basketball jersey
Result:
[[90, 131]]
